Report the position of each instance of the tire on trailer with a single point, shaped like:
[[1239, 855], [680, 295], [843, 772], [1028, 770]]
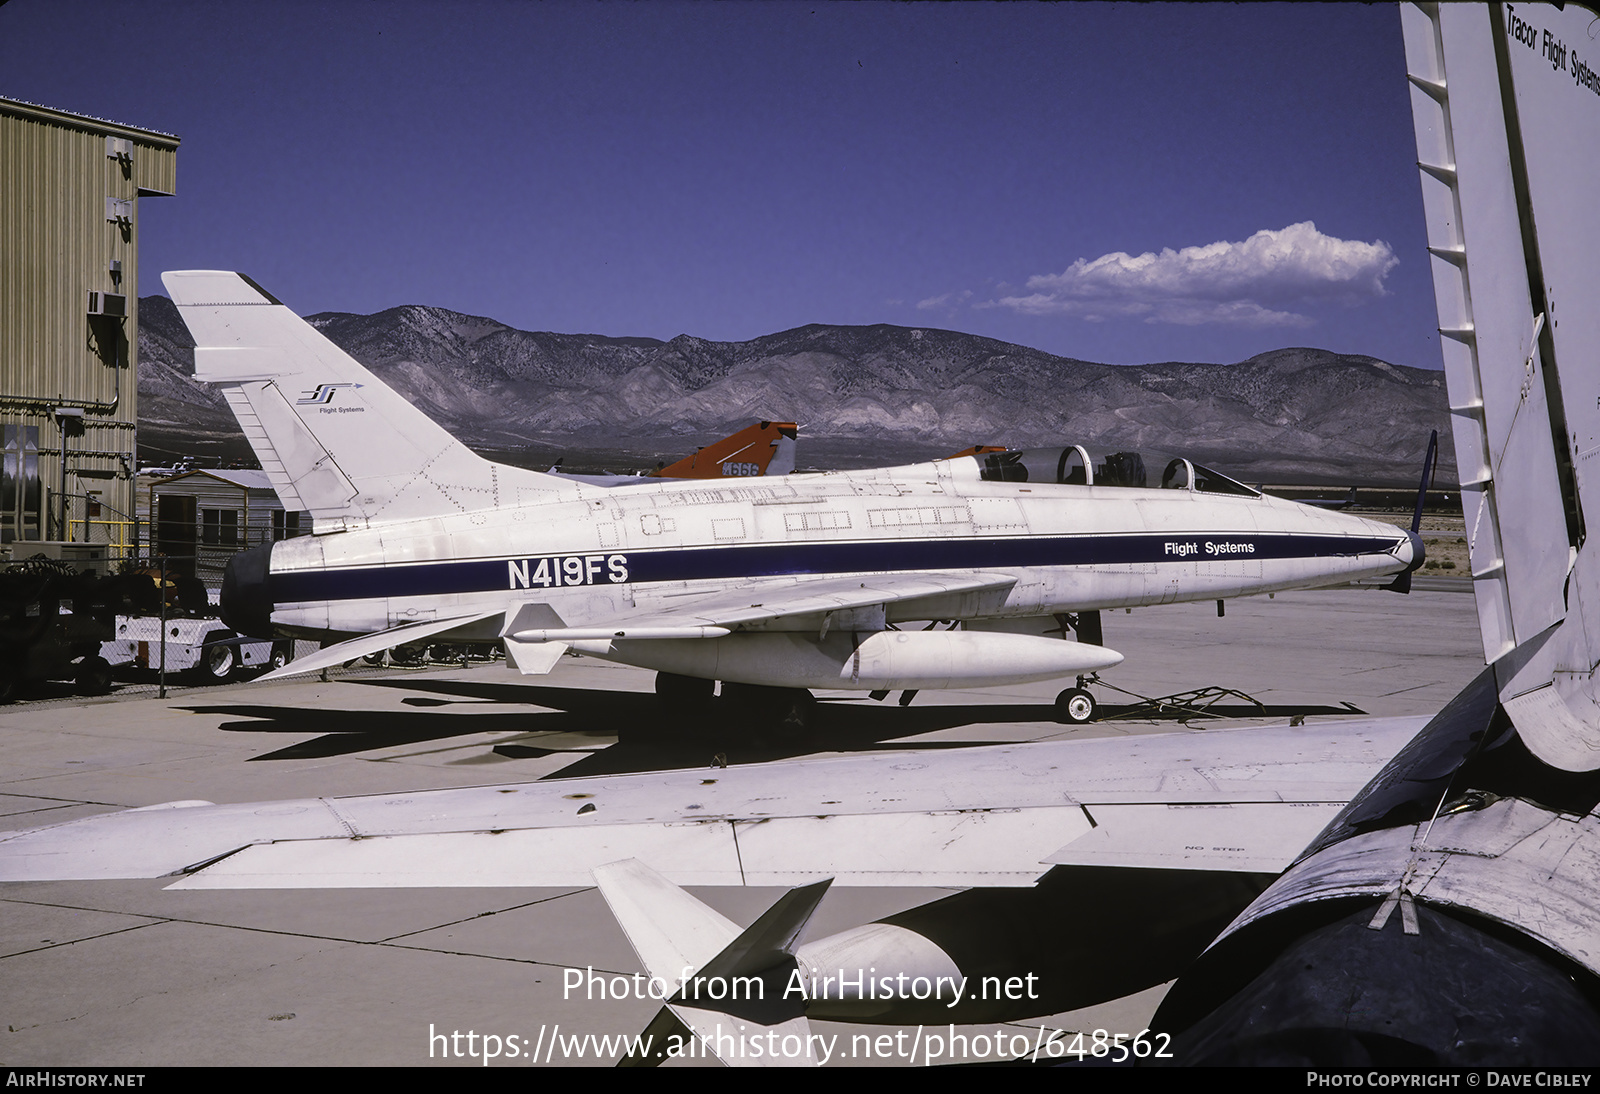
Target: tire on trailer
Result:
[[93, 676], [217, 664]]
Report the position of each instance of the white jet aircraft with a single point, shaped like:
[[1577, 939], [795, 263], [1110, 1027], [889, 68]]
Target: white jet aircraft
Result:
[[782, 585]]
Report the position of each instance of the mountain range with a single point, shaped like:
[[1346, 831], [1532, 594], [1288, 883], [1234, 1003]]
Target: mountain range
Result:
[[863, 395]]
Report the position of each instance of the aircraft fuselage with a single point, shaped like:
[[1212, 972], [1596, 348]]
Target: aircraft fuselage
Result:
[[609, 552]]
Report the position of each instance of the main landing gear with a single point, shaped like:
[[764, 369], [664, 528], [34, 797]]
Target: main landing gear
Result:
[[1075, 706], [782, 715], [684, 696]]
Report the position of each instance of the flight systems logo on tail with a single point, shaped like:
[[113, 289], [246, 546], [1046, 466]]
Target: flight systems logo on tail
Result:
[[321, 395]]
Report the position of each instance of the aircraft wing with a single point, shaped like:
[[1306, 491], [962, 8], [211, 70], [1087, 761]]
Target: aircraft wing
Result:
[[697, 615], [1239, 800], [376, 642], [694, 615]]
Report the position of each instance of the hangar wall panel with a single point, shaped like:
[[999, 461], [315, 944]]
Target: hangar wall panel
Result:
[[69, 190]]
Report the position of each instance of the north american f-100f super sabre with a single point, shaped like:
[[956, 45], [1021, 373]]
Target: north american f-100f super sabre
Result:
[[778, 584]]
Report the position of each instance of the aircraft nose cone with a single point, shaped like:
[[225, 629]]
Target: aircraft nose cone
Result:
[[1413, 553]]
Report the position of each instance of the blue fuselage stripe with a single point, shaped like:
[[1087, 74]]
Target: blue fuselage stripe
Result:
[[792, 559]]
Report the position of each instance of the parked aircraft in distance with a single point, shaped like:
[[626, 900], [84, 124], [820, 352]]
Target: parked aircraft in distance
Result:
[[766, 448], [1332, 503], [780, 585]]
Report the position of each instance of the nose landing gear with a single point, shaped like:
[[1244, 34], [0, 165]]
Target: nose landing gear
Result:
[[1075, 706]]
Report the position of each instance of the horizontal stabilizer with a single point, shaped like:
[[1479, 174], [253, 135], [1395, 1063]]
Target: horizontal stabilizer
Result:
[[771, 939], [673, 934], [665, 1030], [670, 930]]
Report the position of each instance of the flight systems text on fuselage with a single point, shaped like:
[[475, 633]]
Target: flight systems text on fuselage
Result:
[[1210, 548]]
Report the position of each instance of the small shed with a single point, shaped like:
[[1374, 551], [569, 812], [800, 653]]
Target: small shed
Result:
[[200, 519]]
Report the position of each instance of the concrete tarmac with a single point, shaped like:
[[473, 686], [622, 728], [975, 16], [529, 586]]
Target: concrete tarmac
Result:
[[126, 974]]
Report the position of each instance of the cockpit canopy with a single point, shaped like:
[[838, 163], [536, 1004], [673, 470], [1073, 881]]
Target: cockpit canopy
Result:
[[1073, 466]]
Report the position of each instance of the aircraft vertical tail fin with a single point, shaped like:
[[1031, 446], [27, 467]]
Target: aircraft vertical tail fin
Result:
[[332, 437], [1516, 270], [766, 448]]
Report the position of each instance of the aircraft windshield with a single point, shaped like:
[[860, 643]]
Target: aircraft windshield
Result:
[[1074, 466]]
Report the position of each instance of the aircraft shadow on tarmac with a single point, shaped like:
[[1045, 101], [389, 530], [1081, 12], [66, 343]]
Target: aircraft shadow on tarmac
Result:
[[649, 740]]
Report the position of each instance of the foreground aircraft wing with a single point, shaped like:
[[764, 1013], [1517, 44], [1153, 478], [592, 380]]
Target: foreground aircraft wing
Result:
[[1234, 800]]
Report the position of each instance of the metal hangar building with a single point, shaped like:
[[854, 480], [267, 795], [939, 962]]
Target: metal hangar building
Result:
[[69, 324]]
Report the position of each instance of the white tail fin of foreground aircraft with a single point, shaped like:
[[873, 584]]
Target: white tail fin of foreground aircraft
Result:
[[1450, 914], [786, 584], [333, 438], [1520, 331]]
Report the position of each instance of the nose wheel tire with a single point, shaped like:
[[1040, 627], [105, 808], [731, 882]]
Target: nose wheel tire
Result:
[[1075, 706]]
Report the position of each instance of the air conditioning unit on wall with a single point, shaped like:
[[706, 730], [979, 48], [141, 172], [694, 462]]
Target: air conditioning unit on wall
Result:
[[107, 303]]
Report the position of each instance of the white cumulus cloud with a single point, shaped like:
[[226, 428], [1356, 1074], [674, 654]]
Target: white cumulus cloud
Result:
[[1254, 283], [945, 301]]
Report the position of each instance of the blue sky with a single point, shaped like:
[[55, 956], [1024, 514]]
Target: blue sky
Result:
[[1121, 183]]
